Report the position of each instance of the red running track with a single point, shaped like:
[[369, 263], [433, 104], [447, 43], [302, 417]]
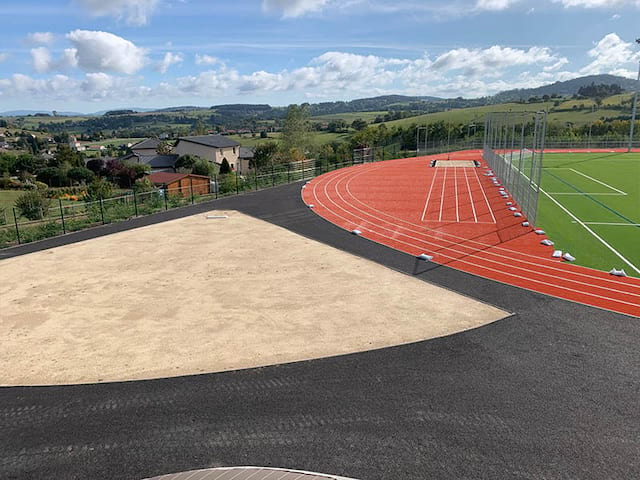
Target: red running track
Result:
[[458, 216]]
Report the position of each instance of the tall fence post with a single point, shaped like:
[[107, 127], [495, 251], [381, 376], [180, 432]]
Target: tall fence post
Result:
[[101, 211], [135, 203], [191, 187], [215, 180], [256, 177], [288, 173], [237, 188], [273, 175], [64, 229], [15, 219], [165, 194]]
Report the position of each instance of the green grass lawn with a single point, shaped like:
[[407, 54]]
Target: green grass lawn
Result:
[[8, 198], [598, 192]]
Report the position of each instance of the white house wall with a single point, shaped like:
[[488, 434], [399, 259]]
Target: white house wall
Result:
[[212, 154]]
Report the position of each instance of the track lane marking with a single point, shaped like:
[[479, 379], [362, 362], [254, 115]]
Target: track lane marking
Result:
[[472, 254], [444, 180], [526, 278], [426, 203], [547, 263], [473, 207]]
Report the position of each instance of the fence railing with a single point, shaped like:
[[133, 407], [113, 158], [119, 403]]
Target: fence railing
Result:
[[64, 216]]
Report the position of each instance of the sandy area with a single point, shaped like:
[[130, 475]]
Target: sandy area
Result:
[[202, 295]]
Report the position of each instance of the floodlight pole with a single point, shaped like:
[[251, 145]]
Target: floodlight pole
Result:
[[635, 102]]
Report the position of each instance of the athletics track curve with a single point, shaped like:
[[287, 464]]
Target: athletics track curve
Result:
[[458, 216]]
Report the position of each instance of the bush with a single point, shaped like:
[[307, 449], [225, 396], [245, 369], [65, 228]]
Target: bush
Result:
[[225, 167], [202, 167], [53, 176], [81, 175], [99, 189], [143, 185], [33, 205], [96, 165]]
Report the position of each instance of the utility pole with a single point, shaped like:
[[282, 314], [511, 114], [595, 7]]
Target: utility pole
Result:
[[635, 102]]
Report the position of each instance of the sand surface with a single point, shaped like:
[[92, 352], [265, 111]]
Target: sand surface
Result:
[[199, 295]]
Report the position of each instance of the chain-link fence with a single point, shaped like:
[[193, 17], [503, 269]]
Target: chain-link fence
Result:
[[513, 147], [58, 217]]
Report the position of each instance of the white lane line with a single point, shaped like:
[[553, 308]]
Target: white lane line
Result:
[[456, 246], [394, 237], [598, 181], [622, 224], [600, 239], [455, 187], [426, 204], [442, 195], [485, 196], [473, 207], [547, 263]]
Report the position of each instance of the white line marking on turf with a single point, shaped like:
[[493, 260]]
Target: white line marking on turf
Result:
[[442, 195], [485, 196], [597, 181], [587, 193], [622, 224], [426, 204], [473, 207], [618, 254]]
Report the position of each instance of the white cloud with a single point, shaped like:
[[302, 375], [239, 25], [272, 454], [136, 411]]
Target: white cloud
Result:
[[491, 61], [41, 38], [332, 75], [41, 59], [134, 12], [3, 56], [598, 3], [105, 52], [495, 5], [609, 53], [207, 60], [168, 60], [294, 8]]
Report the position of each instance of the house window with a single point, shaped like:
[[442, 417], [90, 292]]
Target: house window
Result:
[[234, 149]]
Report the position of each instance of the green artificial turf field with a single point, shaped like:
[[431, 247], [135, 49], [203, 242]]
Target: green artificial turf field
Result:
[[589, 205]]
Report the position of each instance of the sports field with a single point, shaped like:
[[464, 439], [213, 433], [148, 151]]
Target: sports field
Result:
[[590, 206]]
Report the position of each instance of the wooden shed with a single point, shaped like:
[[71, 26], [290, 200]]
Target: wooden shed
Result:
[[181, 183]]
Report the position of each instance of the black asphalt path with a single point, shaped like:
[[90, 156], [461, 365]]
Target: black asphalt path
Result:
[[551, 392]]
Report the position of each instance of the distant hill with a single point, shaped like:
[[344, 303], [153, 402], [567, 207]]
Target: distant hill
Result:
[[568, 87], [24, 113]]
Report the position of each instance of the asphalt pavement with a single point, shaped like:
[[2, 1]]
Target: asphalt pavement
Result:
[[551, 392]]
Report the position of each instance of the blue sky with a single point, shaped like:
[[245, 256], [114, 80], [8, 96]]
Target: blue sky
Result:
[[90, 55]]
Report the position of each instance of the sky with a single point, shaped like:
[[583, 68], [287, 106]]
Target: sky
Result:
[[94, 55]]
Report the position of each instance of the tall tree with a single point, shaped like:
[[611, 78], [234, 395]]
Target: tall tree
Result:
[[296, 131], [263, 155]]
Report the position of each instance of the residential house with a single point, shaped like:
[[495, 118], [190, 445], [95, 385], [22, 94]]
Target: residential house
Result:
[[244, 160], [74, 144], [146, 147], [214, 148], [158, 163]]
